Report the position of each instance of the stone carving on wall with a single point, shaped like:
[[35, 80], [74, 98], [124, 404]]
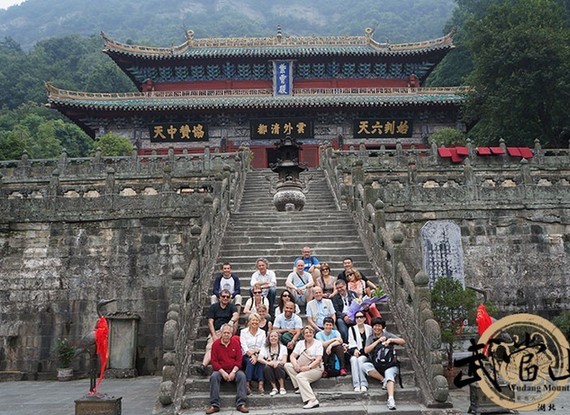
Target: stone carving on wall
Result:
[[442, 251]]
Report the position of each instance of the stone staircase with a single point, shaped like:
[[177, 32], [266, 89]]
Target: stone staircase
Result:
[[258, 230]]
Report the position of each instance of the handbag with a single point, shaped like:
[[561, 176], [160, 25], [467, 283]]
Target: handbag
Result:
[[304, 359]]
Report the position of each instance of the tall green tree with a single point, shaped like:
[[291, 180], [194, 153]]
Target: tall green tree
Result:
[[521, 56], [112, 144]]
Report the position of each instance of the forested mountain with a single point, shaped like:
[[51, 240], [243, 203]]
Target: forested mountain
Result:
[[163, 22], [514, 53]]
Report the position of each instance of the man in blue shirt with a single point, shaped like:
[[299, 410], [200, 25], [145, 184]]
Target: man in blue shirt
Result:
[[312, 265]]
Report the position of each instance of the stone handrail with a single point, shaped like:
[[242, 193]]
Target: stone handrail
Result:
[[183, 320], [387, 186], [409, 299]]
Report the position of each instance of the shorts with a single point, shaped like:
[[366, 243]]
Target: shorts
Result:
[[389, 374]]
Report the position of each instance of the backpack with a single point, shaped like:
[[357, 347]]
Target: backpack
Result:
[[384, 358], [331, 364]]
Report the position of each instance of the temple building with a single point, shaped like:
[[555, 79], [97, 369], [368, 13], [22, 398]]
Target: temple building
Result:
[[224, 92]]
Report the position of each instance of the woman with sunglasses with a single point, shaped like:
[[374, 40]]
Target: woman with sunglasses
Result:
[[326, 281], [253, 302], [357, 336], [357, 284], [284, 298]]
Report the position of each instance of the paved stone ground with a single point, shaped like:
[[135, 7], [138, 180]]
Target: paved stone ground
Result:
[[58, 398], [138, 397]]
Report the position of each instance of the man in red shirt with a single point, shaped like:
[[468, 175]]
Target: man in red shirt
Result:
[[226, 363]]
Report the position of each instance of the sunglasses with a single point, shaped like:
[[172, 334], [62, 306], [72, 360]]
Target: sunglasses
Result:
[[285, 295], [257, 292], [224, 296], [359, 316]]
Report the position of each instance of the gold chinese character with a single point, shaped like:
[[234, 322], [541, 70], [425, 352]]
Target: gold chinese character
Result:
[[287, 128], [171, 131], [198, 131], [390, 127], [403, 127], [158, 132], [185, 131], [301, 127], [262, 129], [363, 127], [377, 128], [275, 128]]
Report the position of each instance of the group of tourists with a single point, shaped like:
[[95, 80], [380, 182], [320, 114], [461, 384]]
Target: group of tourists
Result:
[[276, 343]]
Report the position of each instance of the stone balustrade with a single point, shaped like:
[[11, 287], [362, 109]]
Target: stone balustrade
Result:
[[392, 193]]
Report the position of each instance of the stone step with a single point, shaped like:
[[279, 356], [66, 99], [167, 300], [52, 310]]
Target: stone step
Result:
[[362, 407], [281, 254], [337, 384], [329, 399]]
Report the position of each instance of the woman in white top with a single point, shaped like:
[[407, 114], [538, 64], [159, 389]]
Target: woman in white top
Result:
[[253, 302], [252, 339], [357, 336], [274, 356], [306, 366]]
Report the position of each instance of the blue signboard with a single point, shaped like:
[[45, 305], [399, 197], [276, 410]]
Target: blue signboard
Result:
[[282, 78]]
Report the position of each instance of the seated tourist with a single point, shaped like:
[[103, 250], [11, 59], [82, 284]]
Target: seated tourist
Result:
[[228, 281], [312, 265], [284, 298], [274, 356], [319, 308], [326, 281], [333, 349], [306, 366], [256, 300], [341, 302], [226, 365], [265, 323], [357, 285], [252, 340], [267, 279], [288, 325], [219, 314], [381, 338], [299, 284], [348, 263], [357, 336]]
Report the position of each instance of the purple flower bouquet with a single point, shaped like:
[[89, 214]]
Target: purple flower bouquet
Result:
[[360, 304]]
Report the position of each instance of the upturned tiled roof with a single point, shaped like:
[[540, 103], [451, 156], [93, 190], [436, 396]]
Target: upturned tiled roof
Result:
[[256, 98], [278, 47]]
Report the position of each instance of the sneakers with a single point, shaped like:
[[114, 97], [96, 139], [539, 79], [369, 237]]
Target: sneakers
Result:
[[311, 404], [297, 391], [357, 388], [282, 391], [343, 372], [363, 389], [391, 404], [273, 392]]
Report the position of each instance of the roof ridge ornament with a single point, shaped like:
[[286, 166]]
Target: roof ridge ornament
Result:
[[279, 34]]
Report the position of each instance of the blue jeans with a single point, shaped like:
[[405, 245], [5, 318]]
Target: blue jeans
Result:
[[252, 372], [342, 329], [216, 378]]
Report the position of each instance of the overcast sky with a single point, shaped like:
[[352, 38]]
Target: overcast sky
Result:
[[4, 4]]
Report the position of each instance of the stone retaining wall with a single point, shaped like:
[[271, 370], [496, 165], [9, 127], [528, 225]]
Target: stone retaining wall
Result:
[[74, 231]]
